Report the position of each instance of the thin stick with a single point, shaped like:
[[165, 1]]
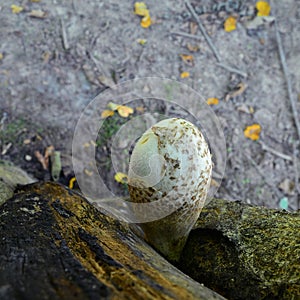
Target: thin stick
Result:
[[230, 69], [188, 35], [279, 154], [64, 35], [202, 29], [209, 41], [288, 82]]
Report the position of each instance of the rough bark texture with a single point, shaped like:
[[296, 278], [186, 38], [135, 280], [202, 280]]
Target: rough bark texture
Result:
[[245, 252], [55, 245]]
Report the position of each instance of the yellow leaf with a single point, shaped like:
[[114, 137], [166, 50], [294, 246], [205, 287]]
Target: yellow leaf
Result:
[[230, 24], [124, 111], [112, 106], [140, 9], [146, 21], [120, 177], [263, 8], [185, 75], [188, 59], [15, 9], [1, 55], [71, 182], [107, 113], [142, 41], [252, 132], [212, 101]]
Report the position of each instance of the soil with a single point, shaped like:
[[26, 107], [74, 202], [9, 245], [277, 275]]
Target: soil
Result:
[[53, 66]]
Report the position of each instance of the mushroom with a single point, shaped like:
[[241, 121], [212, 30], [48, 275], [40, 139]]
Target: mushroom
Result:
[[171, 162]]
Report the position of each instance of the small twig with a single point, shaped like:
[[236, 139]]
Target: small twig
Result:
[[188, 35], [288, 82], [202, 29], [64, 35], [279, 154], [233, 70], [210, 43]]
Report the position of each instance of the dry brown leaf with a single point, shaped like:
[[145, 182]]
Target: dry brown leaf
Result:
[[287, 186], [37, 13], [193, 27], [27, 141], [241, 89], [40, 157], [188, 59], [192, 48]]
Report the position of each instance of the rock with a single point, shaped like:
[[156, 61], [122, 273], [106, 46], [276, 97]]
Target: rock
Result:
[[10, 177]]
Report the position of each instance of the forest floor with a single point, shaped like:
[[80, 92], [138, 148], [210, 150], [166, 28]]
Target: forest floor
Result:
[[55, 58]]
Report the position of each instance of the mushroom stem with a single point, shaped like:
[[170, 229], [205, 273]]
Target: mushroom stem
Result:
[[171, 162]]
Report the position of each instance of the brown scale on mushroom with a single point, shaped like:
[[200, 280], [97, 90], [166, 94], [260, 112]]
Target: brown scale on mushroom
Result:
[[170, 162]]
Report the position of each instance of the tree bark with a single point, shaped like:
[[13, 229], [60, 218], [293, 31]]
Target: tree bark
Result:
[[56, 245], [245, 252]]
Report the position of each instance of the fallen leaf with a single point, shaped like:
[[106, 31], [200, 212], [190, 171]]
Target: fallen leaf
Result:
[[142, 41], [37, 13], [241, 88], [27, 141], [88, 172], [230, 24], [124, 111], [40, 157], [71, 182], [263, 8], [188, 59], [193, 27], [140, 9], [252, 132], [212, 101], [192, 48], [35, 1], [15, 9], [185, 75], [146, 21], [112, 106], [107, 113], [1, 55], [287, 186], [245, 109], [120, 177]]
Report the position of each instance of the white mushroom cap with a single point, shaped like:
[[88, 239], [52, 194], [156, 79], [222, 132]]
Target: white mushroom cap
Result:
[[171, 161]]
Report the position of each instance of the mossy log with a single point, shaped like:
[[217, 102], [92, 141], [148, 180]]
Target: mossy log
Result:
[[245, 252], [56, 245]]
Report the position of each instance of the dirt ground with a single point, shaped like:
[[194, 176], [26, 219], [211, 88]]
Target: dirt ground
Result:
[[55, 62]]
